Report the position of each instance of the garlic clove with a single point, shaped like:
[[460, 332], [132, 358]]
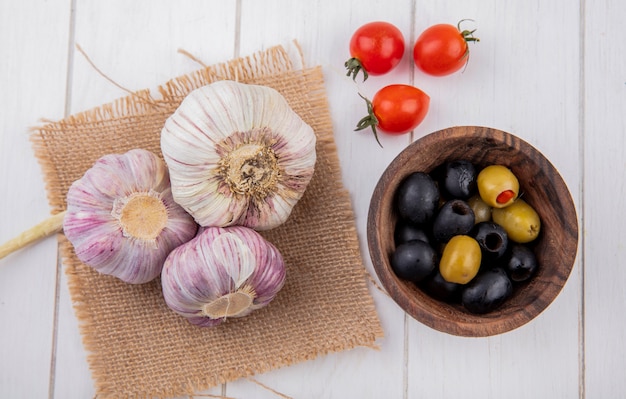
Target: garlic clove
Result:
[[122, 219], [238, 155], [222, 273]]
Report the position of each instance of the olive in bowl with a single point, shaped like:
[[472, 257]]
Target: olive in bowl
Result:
[[541, 187]]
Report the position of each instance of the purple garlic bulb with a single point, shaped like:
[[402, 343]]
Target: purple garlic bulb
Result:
[[224, 272], [122, 219]]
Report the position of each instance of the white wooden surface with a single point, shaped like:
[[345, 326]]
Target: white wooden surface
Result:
[[554, 73]]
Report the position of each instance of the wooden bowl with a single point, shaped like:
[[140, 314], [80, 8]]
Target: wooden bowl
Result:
[[542, 187]]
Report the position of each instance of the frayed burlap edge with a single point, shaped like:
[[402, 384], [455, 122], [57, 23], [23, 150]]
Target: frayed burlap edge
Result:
[[273, 61]]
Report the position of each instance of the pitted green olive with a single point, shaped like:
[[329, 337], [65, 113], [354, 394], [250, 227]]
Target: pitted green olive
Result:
[[460, 259], [497, 186], [520, 221], [482, 211]]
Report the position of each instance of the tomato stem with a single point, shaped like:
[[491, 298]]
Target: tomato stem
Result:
[[369, 121], [468, 36], [354, 66]]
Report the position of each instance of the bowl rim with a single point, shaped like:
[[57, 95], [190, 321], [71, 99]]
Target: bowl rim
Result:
[[403, 292]]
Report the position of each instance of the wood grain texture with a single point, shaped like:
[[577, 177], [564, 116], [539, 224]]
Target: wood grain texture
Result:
[[542, 188], [542, 71], [604, 202], [30, 33]]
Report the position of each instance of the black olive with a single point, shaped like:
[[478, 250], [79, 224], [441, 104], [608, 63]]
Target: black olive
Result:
[[459, 180], [413, 260], [492, 239], [487, 291], [405, 232], [522, 263], [455, 217], [417, 198], [437, 287]]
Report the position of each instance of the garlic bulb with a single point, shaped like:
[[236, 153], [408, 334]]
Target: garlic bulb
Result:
[[223, 272], [121, 217], [238, 155]]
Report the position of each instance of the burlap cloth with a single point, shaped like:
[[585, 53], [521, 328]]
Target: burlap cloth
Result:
[[136, 346]]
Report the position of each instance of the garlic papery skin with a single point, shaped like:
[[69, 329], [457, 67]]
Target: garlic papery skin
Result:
[[122, 219], [223, 272], [238, 155]]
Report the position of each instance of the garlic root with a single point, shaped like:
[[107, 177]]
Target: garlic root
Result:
[[52, 225], [230, 305]]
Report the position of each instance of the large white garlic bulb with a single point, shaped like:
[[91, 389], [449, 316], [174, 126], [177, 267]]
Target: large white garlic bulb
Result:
[[238, 155], [121, 217], [222, 273]]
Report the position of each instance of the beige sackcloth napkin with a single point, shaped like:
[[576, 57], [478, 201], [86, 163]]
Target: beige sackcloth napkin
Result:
[[136, 346]]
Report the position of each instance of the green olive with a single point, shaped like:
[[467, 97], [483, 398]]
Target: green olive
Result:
[[460, 259], [497, 186], [482, 211], [520, 221]]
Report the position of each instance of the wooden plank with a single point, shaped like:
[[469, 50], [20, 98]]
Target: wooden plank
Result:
[[136, 45], [604, 161], [323, 30], [33, 44], [522, 78]]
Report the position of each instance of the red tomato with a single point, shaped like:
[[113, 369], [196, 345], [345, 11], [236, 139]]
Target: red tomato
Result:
[[442, 49], [376, 48], [395, 109]]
